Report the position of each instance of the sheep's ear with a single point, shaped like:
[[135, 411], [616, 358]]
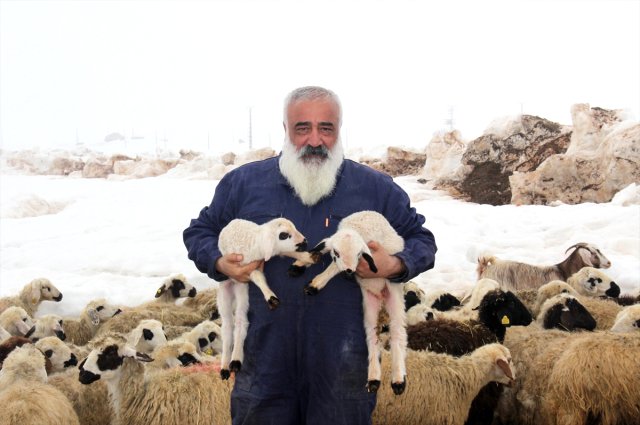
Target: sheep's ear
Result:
[[35, 292], [128, 351], [93, 314], [134, 337], [161, 290], [268, 242], [585, 254], [369, 259], [22, 327], [322, 247], [503, 364]]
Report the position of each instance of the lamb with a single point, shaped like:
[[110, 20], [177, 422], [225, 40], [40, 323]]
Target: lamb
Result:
[[172, 396], [596, 379], [147, 336], [514, 275], [173, 288], [48, 325], [17, 321], [58, 353], [31, 295], [175, 353], [255, 242], [25, 396], [444, 386], [347, 246], [96, 312], [592, 282], [205, 301], [206, 336], [627, 320]]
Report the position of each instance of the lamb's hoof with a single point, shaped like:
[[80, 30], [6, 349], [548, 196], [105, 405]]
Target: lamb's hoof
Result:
[[310, 290], [224, 374], [235, 366], [372, 386], [295, 271], [398, 387], [273, 302]]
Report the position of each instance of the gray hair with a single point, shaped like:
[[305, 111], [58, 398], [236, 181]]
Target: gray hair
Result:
[[311, 93]]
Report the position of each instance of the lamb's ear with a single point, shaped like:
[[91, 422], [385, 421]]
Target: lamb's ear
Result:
[[321, 248], [128, 351], [504, 366], [93, 315], [585, 254], [161, 290], [35, 292], [134, 337], [268, 244], [369, 259]]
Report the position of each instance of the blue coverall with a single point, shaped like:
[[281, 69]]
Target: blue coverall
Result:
[[306, 361]]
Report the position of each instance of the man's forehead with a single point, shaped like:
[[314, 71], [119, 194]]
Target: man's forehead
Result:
[[314, 111]]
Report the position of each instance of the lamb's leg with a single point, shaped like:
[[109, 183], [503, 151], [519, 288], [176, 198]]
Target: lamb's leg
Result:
[[320, 281], [225, 308], [394, 303], [371, 306], [303, 260], [258, 278], [241, 325]]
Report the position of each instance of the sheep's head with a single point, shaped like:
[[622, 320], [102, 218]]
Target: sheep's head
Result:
[[280, 235], [594, 283], [49, 325], [346, 247], [58, 352], [176, 353], [503, 370], [105, 361], [178, 287], [590, 255], [147, 336], [43, 290], [209, 336], [100, 311], [498, 310], [628, 319], [565, 312], [17, 321]]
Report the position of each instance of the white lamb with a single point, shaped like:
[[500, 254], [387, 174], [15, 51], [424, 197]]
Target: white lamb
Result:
[[17, 321], [48, 325], [347, 246], [31, 295], [59, 353], [147, 336], [255, 242], [628, 319]]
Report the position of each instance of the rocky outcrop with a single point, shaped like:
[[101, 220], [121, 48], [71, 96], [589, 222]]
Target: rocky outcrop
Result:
[[520, 144], [444, 155], [602, 159], [398, 162]]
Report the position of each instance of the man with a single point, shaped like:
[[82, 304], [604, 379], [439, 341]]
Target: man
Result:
[[306, 361]]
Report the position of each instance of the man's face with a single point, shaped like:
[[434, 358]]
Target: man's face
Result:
[[313, 123]]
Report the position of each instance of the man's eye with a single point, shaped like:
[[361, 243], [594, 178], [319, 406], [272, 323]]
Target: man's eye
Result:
[[326, 130], [302, 130]]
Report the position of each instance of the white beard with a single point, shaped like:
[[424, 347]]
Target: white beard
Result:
[[311, 179]]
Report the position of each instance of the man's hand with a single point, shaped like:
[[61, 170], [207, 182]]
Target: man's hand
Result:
[[231, 265], [388, 265]]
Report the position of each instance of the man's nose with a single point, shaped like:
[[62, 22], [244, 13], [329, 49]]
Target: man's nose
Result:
[[315, 139]]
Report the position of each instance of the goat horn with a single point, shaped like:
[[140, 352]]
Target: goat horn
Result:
[[578, 245]]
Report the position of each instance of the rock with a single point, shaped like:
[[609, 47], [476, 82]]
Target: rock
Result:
[[398, 162]]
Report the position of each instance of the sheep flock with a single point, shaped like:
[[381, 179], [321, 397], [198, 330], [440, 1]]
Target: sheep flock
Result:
[[557, 345]]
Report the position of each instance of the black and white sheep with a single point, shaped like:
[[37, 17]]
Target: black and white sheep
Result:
[[25, 396], [565, 312], [277, 237], [347, 245], [515, 275], [31, 295], [147, 336], [207, 337], [593, 282], [58, 353], [174, 288]]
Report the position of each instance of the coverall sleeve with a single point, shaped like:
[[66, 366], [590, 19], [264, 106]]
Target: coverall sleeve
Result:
[[419, 243], [201, 237]]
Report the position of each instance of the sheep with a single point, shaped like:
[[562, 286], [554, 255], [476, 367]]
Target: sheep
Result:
[[147, 336], [93, 316], [25, 396], [206, 336], [347, 245], [31, 295], [551, 289], [514, 275], [187, 396], [592, 282], [444, 386], [48, 325], [564, 311], [57, 352], [255, 242], [173, 288], [10, 344], [480, 288], [17, 321], [413, 295], [90, 402], [205, 301], [4, 334], [175, 353], [627, 320], [596, 379]]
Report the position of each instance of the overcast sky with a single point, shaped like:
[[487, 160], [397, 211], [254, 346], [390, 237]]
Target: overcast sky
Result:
[[190, 72]]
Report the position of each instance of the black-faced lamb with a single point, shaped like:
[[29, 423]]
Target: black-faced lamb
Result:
[[186, 395], [347, 245], [565, 312], [513, 275], [277, 237], [17, 322], [31, 295], [25, 396], [442, 386]]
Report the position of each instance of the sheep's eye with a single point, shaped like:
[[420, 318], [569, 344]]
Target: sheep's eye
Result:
[[24, 320], [48, 289], [99, 308], [336, 254], [284, 235], [48, 353], [60, 322]]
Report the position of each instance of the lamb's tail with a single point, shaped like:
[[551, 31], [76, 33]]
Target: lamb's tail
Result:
[[484, 261]]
